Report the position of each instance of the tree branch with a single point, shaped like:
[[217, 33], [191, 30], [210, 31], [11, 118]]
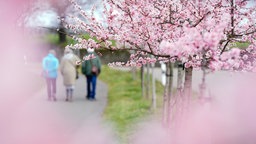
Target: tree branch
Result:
[[200, 20], [232, 17], [224, 48]]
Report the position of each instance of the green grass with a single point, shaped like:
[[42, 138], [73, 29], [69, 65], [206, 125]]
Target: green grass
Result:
[[243, 45], [125, 102], [54, 39]]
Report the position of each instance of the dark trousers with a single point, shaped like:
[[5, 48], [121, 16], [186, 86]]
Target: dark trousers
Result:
[[51, 87], [91, 86]]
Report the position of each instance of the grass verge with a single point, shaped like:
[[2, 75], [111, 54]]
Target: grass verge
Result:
[[125, 102]]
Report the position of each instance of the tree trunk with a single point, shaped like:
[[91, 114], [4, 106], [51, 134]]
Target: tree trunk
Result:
[[62, 33], [142, 81], [153, 87], [203, 85], [187, 87], [167, 93], [178, 100], [171, 100], [133, 73], [180, 76], [147, 82], [204, 97], [163, 71], [165, 97]]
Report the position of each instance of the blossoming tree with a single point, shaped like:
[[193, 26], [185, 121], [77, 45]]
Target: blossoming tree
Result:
[[198, 33]]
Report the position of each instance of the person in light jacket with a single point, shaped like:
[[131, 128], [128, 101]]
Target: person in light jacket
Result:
[[91, 77], [68, 67], [50, 72]]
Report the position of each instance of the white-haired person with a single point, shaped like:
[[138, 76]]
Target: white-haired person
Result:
[[50, 72], [68, 67], [91, 68]]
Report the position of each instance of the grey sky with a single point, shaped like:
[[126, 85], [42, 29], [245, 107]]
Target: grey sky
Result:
[[42, 14]]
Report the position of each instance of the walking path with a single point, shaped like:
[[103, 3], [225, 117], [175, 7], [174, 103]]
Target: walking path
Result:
[[78, 122]]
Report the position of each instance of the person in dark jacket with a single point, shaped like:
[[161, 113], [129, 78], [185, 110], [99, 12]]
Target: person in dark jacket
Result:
[[91, 68], [50, 72]]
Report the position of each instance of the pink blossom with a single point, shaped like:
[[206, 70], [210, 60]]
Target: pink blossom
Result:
[[187, 64], [245, 57], [194, 29]]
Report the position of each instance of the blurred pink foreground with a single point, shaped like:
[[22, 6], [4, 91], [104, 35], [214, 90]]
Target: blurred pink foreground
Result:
[[229, 119]]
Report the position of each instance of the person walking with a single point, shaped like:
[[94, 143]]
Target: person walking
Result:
[[50, 72], [91, 68], [68, 69]]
